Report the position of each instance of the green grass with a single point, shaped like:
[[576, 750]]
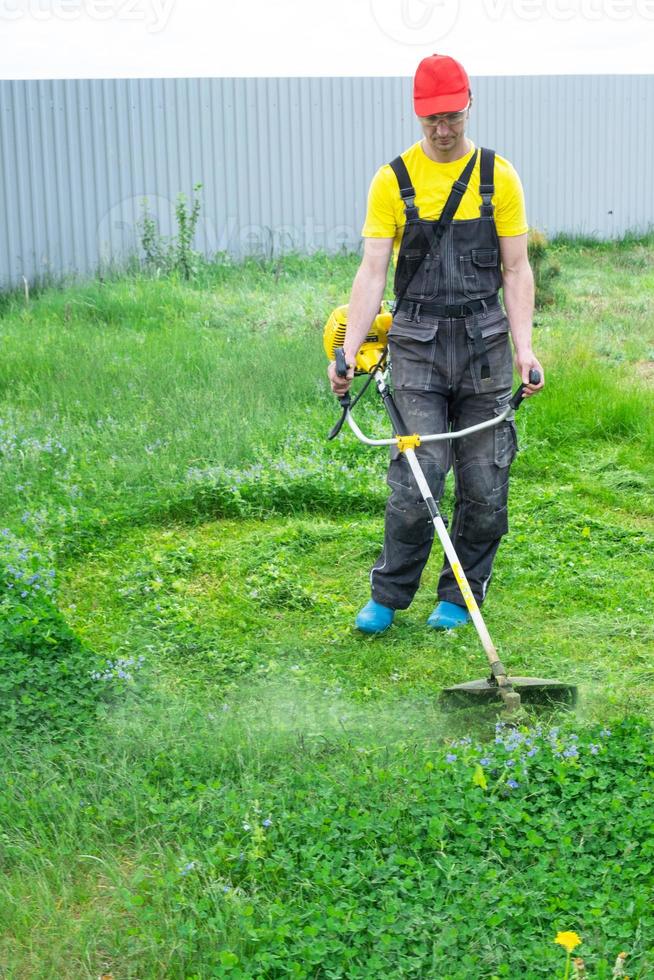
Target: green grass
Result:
[[288, 835], [163, 444]]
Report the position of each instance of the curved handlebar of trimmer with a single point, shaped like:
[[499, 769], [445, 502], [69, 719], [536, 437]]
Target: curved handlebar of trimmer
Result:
[[341, 370]]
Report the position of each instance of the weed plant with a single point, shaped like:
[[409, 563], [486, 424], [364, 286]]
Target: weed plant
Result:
[[544, 267], [163, 256]]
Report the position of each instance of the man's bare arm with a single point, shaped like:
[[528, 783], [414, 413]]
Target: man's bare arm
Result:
[[519, 302], [365, 299]]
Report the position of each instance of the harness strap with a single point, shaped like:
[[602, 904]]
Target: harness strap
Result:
[[486, 182], [486, 191], [479, 345], [452, 312], [459, 188], [433, 237], [407, 191]]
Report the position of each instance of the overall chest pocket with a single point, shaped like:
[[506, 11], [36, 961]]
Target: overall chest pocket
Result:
[[425, 283], [479, 272]]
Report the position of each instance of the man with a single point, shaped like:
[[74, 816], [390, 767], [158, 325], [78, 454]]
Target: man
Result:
[[449, 342]]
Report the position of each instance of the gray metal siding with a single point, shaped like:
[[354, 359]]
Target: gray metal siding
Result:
[[285, 163], [582, 145]]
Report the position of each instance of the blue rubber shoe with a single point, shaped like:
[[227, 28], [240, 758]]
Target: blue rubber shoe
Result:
[[374, 618], [447, 616]]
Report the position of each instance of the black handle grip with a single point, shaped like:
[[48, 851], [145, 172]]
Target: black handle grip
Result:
[[534, 379], [341, 363], [345, 400]]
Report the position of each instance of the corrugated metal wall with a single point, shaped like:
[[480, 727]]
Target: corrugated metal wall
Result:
[[285, 163]]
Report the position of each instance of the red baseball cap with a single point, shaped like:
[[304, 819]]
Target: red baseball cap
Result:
[[441, 84]]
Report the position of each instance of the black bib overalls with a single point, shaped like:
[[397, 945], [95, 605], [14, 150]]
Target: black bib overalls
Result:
[[451, 367]]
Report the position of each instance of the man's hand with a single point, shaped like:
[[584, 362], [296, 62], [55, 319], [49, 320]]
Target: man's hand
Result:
[[340, 386], [526, 361], [365, 301]]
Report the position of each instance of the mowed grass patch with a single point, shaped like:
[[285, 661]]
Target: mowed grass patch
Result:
[[570, 598]]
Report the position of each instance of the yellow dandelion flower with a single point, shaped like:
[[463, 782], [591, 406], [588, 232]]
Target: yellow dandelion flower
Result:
[[568, 940]]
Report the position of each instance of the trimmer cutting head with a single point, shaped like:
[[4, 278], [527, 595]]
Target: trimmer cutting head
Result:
[[532, 690]]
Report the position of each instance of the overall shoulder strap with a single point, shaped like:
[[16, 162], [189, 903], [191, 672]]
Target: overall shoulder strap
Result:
[[458, 190], [407, 192], [459, 187], [431, 233], [487, 182]]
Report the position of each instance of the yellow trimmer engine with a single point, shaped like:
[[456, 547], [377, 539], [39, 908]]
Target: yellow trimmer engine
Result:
[[371, 349]]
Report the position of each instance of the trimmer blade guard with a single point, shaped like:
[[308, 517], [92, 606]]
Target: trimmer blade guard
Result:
[[532, 690]]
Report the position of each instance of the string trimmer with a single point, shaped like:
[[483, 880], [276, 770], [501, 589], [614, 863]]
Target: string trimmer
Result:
[[372, 361]]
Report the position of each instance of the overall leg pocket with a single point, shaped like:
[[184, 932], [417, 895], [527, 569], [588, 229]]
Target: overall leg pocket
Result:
[[483, 485], [482, 502], [406, 511], [412, 348], [506, 444], [498, 355]]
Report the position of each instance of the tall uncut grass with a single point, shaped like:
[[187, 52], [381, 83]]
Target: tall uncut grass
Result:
[[112, 392]]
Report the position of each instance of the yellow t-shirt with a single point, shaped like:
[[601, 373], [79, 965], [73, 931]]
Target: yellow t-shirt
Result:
[[432, 182]]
